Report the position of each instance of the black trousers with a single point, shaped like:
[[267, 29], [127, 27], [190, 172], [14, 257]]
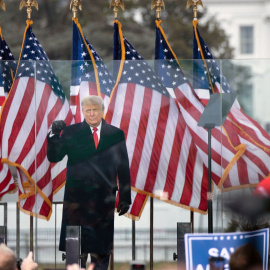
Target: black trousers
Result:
[[101, 261]]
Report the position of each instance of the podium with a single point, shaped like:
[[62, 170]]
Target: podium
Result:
[[214, 115]]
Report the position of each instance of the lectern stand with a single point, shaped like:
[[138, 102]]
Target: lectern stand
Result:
[[214, 115]]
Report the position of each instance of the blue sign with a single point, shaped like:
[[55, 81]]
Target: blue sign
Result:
[[200, 247]]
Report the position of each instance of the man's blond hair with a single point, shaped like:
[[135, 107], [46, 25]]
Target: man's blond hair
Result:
[[93, 100]]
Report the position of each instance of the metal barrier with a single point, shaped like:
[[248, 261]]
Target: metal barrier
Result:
[[3, 229], [48, 238], [182, 228], [3, 234]]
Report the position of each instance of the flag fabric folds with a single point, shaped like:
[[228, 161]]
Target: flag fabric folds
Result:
[[224, 156], [239, 127], [7, 65], [35, 100], [89, 75], [163, 159], [7, 183]]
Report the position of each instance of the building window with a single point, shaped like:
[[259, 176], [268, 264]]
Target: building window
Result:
[[246, 39]]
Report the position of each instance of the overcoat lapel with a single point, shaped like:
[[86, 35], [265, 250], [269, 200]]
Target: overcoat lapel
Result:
[[103, 133], [89, 136]]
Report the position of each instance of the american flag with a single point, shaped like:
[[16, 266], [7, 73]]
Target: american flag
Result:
[[35, 100], [7, 65], [89, 75], [242, 131], [224, 156], [162, 156]]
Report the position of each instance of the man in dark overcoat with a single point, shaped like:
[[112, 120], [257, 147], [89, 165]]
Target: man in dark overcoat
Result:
[[97, 167]]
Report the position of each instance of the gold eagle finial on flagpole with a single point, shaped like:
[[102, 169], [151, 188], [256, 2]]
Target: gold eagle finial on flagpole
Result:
[[195, 4], [159, 4], [74, 5], [2, 5], [29, 4], [116, 4]]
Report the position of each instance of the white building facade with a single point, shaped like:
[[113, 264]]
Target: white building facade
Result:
[[247, 24]]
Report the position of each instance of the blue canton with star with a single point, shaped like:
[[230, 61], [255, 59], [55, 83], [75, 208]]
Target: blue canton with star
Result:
[[7, 66], [83, 69], [212, 66], [136, 70], [34, 63], [200, 74], [166, 65]]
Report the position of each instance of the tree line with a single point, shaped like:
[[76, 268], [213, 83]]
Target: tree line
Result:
[[53, 27]]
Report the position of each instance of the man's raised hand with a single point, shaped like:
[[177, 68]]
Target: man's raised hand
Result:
[[58, 126]]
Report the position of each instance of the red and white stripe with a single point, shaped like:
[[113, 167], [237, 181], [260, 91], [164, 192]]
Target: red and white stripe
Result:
[[2, 96], [256, 141], [7, 183], [254, 164], [29, 111], [163, 160], [222, 153], [138, 201]]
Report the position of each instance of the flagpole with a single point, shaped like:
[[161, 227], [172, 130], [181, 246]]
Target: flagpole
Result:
[[151, 233], [115, 4], [74, 5], [133, 240], [158, 4], [195, 4], [2, 5], [28, 4], [209, 127]]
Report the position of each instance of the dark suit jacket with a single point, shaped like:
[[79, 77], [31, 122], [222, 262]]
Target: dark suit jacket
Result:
[[92, 174]]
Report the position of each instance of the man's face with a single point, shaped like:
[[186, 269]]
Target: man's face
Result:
[[92, 114]]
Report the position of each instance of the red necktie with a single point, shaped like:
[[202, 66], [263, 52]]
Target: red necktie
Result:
[[95, 136]]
